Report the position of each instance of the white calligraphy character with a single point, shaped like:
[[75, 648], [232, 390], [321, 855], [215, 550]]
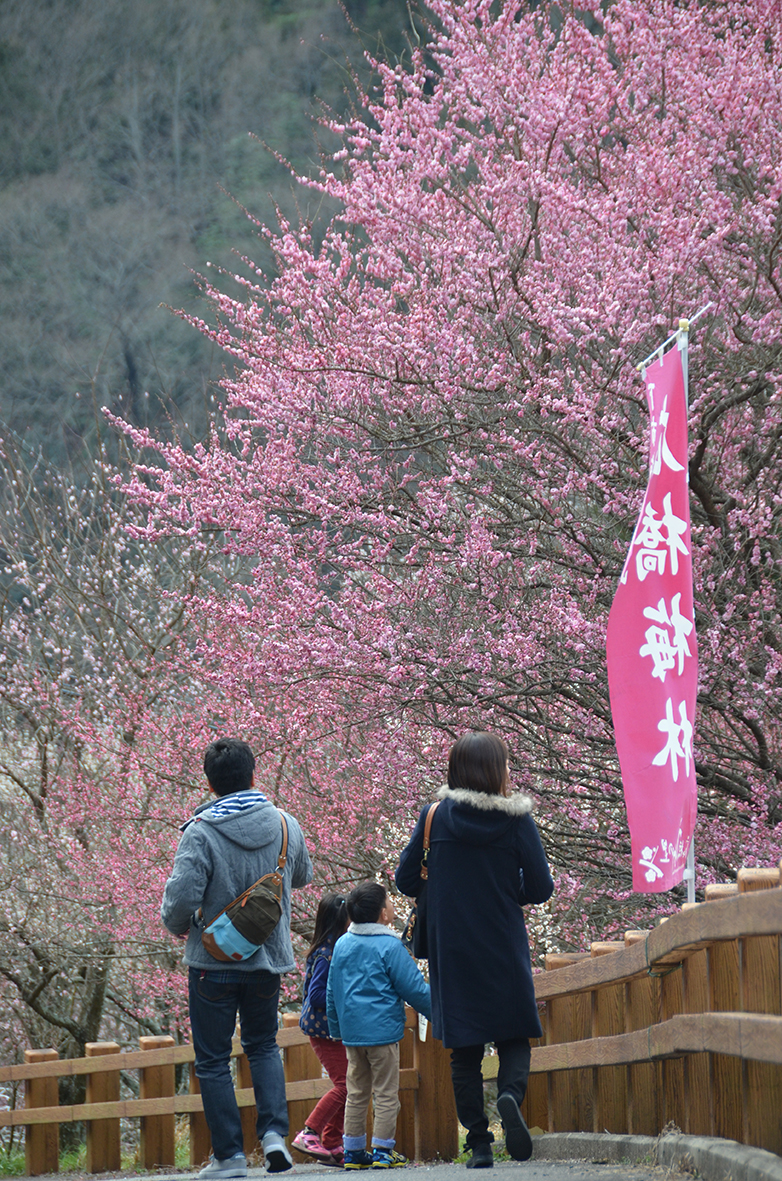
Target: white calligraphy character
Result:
[[678, 744], [660, 452], [654, 535], [665, 650]]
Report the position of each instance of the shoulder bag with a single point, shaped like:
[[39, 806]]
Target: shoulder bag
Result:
[[414, 935], [245, 924]]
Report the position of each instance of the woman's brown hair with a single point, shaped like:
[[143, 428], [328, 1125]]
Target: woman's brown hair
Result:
[[479, 762]]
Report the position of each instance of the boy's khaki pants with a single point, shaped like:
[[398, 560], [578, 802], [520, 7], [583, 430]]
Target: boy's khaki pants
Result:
[[372, 1070]]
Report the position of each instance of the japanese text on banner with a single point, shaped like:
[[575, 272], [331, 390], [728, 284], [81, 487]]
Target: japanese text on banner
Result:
[[652, 651]]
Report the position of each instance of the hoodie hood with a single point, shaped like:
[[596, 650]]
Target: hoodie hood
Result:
[[477, 818], [252, 828]]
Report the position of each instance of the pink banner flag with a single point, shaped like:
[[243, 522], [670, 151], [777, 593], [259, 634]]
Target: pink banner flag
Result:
[[652, 652]]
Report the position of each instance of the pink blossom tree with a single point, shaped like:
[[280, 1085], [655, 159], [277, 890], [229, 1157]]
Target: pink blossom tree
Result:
[[96, 719], [104, 717], [433, 450]]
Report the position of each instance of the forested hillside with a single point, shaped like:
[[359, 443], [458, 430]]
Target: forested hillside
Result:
[[131, 134]]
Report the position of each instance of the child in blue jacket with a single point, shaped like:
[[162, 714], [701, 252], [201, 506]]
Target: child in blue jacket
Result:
[[370, 979]]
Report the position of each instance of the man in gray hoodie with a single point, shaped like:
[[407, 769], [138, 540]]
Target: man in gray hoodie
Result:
[[226, 846]]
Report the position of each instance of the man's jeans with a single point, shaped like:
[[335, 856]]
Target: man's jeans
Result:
[[215, 999]]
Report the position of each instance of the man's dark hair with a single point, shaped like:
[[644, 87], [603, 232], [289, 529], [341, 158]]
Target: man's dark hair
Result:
[[478, 762], [229, 764], [366, 901]]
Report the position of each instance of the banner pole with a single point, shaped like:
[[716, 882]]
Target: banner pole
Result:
[[689, 872], [658, 352], [683, 342]]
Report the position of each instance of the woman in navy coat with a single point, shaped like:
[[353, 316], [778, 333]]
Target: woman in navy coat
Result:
[[485, 862]]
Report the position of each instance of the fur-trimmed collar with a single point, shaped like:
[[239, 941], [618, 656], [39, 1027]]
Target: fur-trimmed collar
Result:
[[371, 929], [515, 805]]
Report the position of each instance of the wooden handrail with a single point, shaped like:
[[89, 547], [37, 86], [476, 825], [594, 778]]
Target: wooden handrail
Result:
[[167, 1105], [756, 1037], [427, 1123], [681, 1023], [128, 1060], [749, 914]]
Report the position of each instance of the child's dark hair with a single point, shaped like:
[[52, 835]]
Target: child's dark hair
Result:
[[366, 901], [331, 921], [229, 764]]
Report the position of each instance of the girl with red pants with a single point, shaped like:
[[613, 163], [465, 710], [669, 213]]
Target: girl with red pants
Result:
[[321, 1136]]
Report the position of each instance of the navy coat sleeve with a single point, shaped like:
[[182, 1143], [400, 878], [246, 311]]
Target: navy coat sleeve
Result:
[[535, 881], [318, 981], [408, 872]]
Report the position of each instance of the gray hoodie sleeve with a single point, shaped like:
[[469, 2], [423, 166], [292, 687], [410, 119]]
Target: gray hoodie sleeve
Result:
[[301, 868], [184, 890]]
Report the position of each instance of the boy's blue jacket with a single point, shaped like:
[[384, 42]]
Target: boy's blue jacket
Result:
[[370, 979]]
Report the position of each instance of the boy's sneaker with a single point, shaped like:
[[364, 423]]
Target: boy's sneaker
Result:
[[387, 1158], [233, 1166], [278, 1159], [308, 1142], [357, 1158]]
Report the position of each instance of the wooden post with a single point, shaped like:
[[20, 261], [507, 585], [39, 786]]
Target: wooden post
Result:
[[761, 1081], [642, 1009], [41, 1141], [405, 1123], [156, 1145], [585, 1078], [200, 1139], [560, 1012], [671, 1004], [725, 1089], [300, 1062], [716, 891], [611, 1081], [103, 1143], [761, 992], [697, 1074], [749, 880], [535, 1105], [436, 1124]]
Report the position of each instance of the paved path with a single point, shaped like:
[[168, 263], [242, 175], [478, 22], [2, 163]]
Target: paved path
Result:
[[571, 1170], [576, 1156]]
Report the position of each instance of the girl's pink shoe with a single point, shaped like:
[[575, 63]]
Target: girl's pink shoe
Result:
[[308, 1142]]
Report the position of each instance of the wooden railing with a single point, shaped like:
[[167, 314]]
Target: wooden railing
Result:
[[681, 1024], [426, 1128]]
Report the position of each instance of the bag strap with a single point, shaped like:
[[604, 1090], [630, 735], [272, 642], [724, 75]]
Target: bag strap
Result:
[[427, 834], [283, 851], [276, 874]]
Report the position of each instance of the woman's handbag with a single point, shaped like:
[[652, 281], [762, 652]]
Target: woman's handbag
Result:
[[414, 934]]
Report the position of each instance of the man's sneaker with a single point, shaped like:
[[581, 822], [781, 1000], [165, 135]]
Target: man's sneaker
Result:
[[278, 1159], [357, 1158], [234, 1166], [387, 1158], [308, 1142], [518, 1141]]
